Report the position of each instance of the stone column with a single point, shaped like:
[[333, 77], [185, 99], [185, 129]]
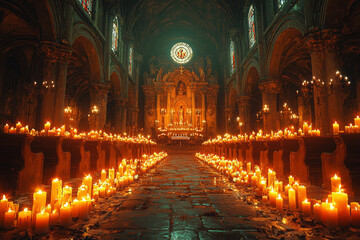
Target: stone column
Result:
[[167, 120], [149, 109], [193, 90], [98, 98], [158, 117], [202, 108], [322, 47], [269, 91], [244, 103], [120, 115]]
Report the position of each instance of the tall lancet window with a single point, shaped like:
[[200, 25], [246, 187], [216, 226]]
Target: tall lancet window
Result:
[[115, 35], [281, 3], [251, 20], [131, 60], [87, 5], [232, 57]]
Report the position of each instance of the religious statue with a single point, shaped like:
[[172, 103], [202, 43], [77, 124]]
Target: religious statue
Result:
[[181, 88], [159, 75], [208, 66], [181, 115], [201, 74], [152, 66]]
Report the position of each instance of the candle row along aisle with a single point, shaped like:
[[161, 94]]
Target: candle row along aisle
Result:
[[349, 128], [62, 208], [73, 133], [334, 212]]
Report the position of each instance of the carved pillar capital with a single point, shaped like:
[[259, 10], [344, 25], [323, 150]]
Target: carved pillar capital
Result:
[[270, 87], [244, 101], [100, 88], [55, 52], [326, 40]]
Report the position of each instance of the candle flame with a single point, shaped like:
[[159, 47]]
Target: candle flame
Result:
[[4, 197], [279, 196], [306, 200], [25, 209], [54, 211], [335, 176], [66, 204], [331, 206], [56, 180], [339, 188], [327, 200]]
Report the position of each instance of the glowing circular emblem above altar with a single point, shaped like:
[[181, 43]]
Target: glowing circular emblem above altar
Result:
[[181, 53]]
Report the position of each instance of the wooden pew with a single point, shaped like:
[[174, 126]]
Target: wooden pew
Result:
[[80, 159], [110, 154], [97, 158], [281, 158], [305, 164], [21, 169], [266, 157], [56, 162], [253, 153], [345, 162]]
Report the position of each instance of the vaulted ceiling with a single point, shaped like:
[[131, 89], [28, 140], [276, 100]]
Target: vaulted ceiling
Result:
[[204, 23]]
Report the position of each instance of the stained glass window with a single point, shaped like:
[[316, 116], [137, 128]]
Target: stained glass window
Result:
[[232, 57], [131, 60], [281, 3], [251, 20], [181, 53], [115, 35], [87, 5]]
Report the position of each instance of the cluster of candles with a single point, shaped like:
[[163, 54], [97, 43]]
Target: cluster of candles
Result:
[[334, 212], [73, 133], [62, 207], [348, 129]]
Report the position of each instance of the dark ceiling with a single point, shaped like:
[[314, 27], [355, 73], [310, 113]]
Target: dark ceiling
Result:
[[157, 24]]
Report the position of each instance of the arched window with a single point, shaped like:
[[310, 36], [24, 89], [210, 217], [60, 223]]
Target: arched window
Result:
[[115, 35], [251, 20], [131, 60], [87, 5], [232, 57], [281, 3]]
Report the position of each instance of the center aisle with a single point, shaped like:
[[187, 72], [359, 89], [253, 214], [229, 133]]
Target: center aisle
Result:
[[181, 198]]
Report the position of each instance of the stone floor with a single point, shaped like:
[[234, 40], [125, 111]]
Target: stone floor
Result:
[[183, 198]]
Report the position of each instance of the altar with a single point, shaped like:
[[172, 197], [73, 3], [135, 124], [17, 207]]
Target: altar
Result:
[[180, 103]]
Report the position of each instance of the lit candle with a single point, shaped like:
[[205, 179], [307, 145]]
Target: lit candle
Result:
[[324, 207], [42, 222], [47, 126], [112, 173], [75, 208], [248, 167], [121, 170], [292, 199], [56, 191], [24, 219], [264, 199], [306, 208], [67, 194], [355, 217], [6, 128], [335, 128], [103, 175], [65, 215], [291, 180], [39, 202], [3, 209], [18, 127], [301, 195], [317, 212], [340, 200], [335, 183], [83, 209], [332, 217], [357, 121], [279, 203], [87, 181], [9, 218], [272, 196], [54, 218]]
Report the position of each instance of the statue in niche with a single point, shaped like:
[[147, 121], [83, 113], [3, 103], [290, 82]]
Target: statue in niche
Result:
[[181, 115], [152, 66], [181, 88], [159, 75], [201, 74], [208, 66]]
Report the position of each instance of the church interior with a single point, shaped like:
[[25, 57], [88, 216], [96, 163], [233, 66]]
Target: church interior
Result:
[[180, 119]]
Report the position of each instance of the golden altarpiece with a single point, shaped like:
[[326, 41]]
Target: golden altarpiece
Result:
[[180, 103]]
